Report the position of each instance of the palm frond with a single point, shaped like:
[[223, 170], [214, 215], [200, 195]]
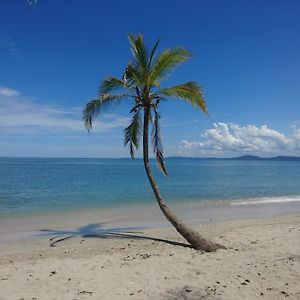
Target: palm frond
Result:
[[132, 76], [95, 106], [109, 84], [190, 92], [153, 51], [166, 62], [139, 52], [157, 143], [133, 132]]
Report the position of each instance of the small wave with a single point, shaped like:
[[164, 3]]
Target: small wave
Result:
[[266, 200]]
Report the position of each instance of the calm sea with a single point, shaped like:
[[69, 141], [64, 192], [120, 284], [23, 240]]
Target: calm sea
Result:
[[33, 185]]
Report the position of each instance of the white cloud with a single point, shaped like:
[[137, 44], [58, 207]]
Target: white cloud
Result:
[[228, 139], [8, 92], [19, 115]]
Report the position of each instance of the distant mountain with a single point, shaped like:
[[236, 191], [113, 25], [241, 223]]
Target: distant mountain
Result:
[[277, 158], [244, 157]]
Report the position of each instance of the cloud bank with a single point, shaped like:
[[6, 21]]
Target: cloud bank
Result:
[[7, 92], [32, 128], [21, 115], [229, 139]]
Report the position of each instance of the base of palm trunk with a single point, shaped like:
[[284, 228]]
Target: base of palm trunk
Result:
[[200, 243], [197, 241]]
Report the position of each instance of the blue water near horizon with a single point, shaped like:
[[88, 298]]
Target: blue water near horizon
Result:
[[38, 185]]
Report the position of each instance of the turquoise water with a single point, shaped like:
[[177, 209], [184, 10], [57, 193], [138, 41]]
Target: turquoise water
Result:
[[33, 185]]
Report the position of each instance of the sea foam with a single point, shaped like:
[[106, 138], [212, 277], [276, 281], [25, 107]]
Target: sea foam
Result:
[[266, 200]]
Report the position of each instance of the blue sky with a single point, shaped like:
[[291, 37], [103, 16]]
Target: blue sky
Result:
[[245, 55]]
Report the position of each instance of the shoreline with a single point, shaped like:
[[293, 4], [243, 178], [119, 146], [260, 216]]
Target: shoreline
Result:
[[261, 262], [142, 217]]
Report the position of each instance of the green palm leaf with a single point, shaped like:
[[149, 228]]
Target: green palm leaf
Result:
[[139, 52], [166, 62], [95, 106], [190, 92], [132, 76], [133, 132], [153, 51], [109, 84], [157, 143]]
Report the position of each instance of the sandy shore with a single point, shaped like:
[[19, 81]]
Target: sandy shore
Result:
[[262, 262]]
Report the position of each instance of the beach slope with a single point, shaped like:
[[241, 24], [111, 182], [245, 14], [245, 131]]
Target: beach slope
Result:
[[262, 262]]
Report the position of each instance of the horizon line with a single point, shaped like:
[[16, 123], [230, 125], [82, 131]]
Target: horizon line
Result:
[[167, 157]]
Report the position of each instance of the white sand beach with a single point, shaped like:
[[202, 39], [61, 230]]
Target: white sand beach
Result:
[[262, 262]]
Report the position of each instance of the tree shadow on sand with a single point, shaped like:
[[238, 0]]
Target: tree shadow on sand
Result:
[[98, 230]]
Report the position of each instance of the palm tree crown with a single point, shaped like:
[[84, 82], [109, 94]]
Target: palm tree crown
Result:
[[141, 83]]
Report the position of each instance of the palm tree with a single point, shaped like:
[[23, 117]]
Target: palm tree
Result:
[[141, 84], [31, 2]]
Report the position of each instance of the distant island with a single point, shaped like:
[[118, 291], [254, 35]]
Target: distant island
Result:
[[245, 157], [253, 157]]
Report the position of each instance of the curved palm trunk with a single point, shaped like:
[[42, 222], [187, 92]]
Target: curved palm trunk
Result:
[[195, 239]]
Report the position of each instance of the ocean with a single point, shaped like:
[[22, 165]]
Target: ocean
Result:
[[39, 185]]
